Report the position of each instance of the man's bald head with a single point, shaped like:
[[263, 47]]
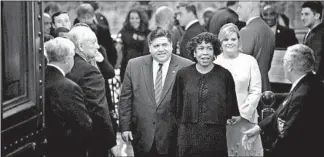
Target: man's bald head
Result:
[[164, 17], [246, 10]]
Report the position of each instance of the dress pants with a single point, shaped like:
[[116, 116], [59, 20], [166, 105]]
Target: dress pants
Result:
[[152, 153]]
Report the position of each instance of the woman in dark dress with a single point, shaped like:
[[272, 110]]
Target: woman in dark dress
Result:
[[131, 38], [205, 101]]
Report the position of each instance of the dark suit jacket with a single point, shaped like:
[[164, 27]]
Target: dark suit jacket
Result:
[[221, 17], [89, 78], [315, 40], [138, 111], [191, 32], [295, 127], [259, 41], [285, 37], [68, 121]]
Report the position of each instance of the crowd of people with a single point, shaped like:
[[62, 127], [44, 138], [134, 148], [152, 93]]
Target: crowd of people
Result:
[[188, 90]]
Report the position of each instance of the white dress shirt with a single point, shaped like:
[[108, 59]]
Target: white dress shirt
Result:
[[57, 67], [165, 68], [191, 23], [250, 19], [296, 82]]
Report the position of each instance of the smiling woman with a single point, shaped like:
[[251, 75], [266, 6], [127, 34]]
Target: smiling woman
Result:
[[247, 78], [202, 110]]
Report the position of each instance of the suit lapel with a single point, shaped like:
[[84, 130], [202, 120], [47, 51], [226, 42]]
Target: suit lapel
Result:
[[170, 77], [147, 70]]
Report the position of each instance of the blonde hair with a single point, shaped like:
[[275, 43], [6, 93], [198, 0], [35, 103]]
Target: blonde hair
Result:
[[228, 29]]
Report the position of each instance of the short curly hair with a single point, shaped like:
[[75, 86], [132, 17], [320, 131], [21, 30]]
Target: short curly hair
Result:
[[207, 37]]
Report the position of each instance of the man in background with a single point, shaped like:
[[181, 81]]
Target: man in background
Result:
[[257, 39], [61, 19], [311, 16], [284, 36], [223, 16], [187, 17]]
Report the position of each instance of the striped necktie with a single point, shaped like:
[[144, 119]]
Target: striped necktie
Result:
[[158, 84]]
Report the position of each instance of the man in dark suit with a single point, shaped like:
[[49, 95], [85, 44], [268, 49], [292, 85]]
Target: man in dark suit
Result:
[[187, 17], [68, 121], [295, 126], [144, 107], [223, 16], [257, 38], [311, 17], [284, 36], [86, 74]]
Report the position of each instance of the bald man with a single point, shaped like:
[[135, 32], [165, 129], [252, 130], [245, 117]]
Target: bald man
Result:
[[257, 38], [284, 36], [164, 18]]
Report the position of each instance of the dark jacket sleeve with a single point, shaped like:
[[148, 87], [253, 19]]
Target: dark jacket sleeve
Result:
[[125, 103], [177, 99], [104, 39], [231, 98], [74, 110], [106, 69], [95, 98]]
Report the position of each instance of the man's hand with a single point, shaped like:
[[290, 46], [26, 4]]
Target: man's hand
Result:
[[99, 57], [127, 136], [250, 136]]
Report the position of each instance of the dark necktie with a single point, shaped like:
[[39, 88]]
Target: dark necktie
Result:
[[158, 84]]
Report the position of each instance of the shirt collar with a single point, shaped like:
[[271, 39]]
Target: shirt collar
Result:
[[296, 82], [57, 67], [274, 29], [156, 63], [250, 19], [191, 23]]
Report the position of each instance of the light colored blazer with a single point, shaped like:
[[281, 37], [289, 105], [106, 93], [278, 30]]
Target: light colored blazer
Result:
[[138, 110], [247, 78]]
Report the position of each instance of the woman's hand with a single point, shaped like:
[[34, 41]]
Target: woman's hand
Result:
[[234, 120]]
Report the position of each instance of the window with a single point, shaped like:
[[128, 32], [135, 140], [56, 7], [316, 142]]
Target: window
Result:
[[14, 50]]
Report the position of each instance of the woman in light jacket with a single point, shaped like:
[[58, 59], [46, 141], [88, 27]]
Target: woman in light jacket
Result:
[[245, 71]]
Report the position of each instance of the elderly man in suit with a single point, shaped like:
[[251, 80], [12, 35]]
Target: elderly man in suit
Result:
[[187, 16], [295, 124], [144, 107], [311, 16], [68, 121], [257, 38], [87, 75], [284, 36]]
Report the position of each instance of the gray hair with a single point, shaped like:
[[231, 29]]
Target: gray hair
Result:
[[78, 33], [58, 49], [300, 57]]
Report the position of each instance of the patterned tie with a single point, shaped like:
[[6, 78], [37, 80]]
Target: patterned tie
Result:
[[158, 84]]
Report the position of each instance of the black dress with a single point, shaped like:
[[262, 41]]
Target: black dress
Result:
[[203, 103]]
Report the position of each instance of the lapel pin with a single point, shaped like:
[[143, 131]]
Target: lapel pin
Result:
[[173, 71]]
